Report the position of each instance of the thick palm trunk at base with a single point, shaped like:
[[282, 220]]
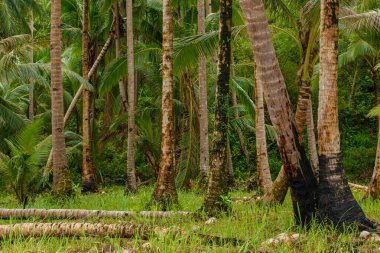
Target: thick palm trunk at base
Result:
[[217, 184], [336, 202], [165, 193]]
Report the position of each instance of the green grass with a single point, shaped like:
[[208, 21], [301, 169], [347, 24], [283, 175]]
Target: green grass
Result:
[[249, 222]]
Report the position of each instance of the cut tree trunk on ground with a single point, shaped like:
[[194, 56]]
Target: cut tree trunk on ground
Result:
[[75, 229], [81, 214]]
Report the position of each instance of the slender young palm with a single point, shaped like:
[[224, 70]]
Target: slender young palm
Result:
[[61, 173], [336, 201], [217, 187], [131, 168], [31, 96], [265, 180], [203, 109], [88, 177], [165, 192], [296, 166]]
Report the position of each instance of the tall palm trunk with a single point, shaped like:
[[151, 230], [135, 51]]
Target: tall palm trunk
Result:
[[61, 173], [296, 166], [203, 109], [131, 168], [165, 192], [31, 93], [88, 177], [336, 202], [123, 97], [265, 180], [217, 177], [208, 7]]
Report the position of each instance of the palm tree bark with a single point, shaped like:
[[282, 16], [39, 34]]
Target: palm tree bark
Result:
[[296, 165], [74, 229], [88, 176], [265, 179], [123, 96], [165, 192], [79, 92], [61, 173], [336, 202], [230, 166], [203, 108], [217, 189], [72, 214], [208, 7], [374, 186], [131, 167], [311, 142], [31, 92]]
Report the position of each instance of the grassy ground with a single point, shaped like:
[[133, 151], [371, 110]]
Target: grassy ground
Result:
[[249, 222]]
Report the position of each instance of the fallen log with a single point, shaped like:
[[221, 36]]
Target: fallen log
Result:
[[71, 214], [74, 229]]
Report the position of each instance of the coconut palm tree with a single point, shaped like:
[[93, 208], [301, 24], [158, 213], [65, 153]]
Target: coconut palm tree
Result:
[[165, 192], [61, 173], [296, 166], [217, 187], [336, 201], [88, 177], [131, 168], [203, 109]]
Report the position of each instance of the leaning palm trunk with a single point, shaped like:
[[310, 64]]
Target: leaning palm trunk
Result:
[[131, 167], [311, 142], [217, 187], [336, 202], [74, 229], [374, 186], [80, 90], [165, 192], [203, 109], [296, 166], [88, 177], [72, 214], [61, 173]]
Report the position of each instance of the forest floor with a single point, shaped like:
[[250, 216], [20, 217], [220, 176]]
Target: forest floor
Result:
[[252, 224]]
